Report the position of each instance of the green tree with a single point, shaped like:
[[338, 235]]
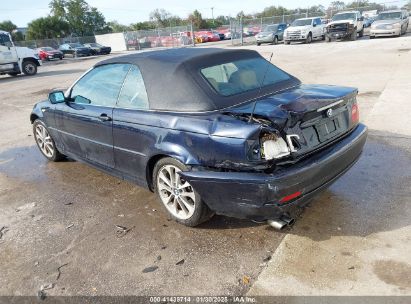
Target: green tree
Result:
[[47, 28], [7, 26], [274, 11], [161, 17], [116, 27], [82, 18], [197, 19], [10, 27], [146, 25], [58, 8]]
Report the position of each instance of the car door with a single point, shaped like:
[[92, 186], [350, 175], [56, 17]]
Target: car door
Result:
[[133, 131], [8, 54], [280, 31], [318, 27], [85, 122]]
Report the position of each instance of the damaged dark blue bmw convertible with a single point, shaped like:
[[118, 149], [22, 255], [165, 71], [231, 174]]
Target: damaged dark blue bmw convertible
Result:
[[211, 131]]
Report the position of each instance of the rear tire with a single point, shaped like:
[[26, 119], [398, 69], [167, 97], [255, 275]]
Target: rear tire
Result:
[[45, 142], [275, 40], [181, 201], [258, 44], [287, 42]]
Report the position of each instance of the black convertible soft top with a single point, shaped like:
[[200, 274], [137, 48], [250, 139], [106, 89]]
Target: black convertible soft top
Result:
[[174, 83]]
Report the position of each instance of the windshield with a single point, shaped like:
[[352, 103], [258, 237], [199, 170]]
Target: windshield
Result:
[[240, 76], [389, 16], [76, 45], [47, 49], [345, 16], [270, 28], [302, 22]]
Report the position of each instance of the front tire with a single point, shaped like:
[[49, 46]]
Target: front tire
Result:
[[275, 41], [179, 198], [354, 35], [361, 33], [29, 68], [45, 142]]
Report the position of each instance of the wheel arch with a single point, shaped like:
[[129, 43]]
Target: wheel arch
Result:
[[33, 117], [32, 59], [176, 152]]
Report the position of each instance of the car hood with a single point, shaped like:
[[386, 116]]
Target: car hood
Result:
[[391, 21], [350, 21], [294, 102]]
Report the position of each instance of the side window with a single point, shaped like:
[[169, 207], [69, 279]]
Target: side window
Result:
[[133, 95], [318, 21], [5, 40], [101, 86]]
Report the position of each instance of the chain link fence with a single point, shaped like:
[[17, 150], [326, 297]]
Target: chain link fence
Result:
[[165, 37], [243, 31], [54, 43]]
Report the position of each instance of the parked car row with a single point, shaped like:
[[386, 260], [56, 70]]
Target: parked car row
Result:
[[344, 25], [74, 50]]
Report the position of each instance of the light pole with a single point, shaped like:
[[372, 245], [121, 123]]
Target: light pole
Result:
[[212, 14]]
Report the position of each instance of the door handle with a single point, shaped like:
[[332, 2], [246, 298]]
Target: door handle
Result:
[[104, 117]]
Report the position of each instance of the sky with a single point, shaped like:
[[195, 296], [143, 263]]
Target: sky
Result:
[[21, 12]]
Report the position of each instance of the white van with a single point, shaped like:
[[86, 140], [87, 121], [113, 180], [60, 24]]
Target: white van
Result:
[[16, 60]]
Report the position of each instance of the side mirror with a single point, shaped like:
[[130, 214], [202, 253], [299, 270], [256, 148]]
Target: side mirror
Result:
[[57, 97], [315, 24]]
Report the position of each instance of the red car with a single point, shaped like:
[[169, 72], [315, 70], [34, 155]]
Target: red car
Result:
[[48, 53], [208, 36]]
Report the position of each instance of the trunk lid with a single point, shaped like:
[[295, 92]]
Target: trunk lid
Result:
[[314, 115]]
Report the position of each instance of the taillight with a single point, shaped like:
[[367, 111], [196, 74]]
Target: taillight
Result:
[[355, 114]]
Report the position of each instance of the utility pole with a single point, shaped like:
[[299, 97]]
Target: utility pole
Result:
[[212, 14]]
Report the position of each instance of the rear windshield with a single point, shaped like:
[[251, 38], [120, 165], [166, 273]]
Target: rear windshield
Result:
[[302, 22], [389, 16], [345, 16], [270, 28], [240, 76]]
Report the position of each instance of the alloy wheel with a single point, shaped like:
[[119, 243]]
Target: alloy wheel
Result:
[[44, 141], [176, 194]]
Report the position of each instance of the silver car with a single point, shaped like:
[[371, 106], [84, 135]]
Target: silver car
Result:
[[390, 23], [271, 34]]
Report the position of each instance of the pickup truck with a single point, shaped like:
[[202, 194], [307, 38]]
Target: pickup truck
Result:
[[344, 25], [306, 30], [16, 60]]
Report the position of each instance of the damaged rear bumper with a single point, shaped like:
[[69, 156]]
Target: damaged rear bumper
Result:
[[258, 196]]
